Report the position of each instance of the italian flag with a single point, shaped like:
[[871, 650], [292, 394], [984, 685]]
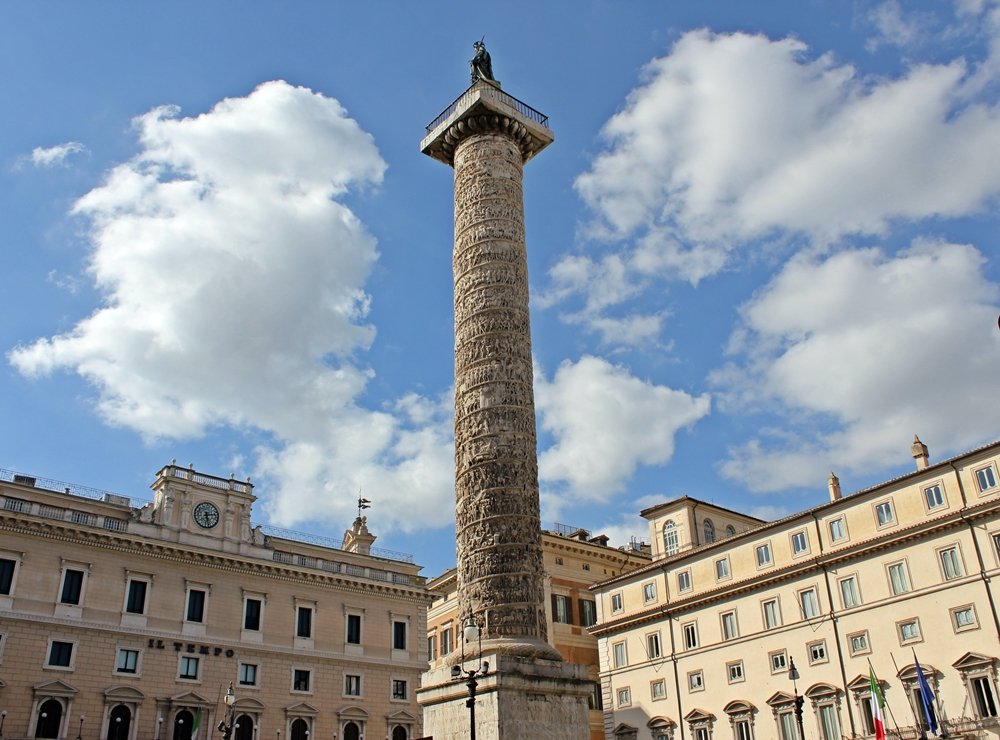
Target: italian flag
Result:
[[196, 725], [878, 705]]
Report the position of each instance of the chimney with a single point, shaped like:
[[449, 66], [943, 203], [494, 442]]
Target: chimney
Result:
[[833, 483], [919, 451]]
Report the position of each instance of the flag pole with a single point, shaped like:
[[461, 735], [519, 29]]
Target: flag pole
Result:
[[909, 700], [895, 724]]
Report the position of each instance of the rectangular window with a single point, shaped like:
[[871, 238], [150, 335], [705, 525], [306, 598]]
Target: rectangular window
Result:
[[248, 674], [859, 643], [696, 681], [196, 605], [817, 651], [730, 630], [986, 478], [658, 690], [251, 614], [648, 592], [352, 685], [743, 730], [849, 592], [621, 658], [982, 691], [964, 618], [899, 581], [399, 689], [188, 668], [60, 654], [354, 631], [809, 602], [772, 615], [398, 635], [684, 579], [653, 645], [301, 679], [588, 613], [779, 661], [72, 587], [135, 602], [432, 647], [561, 609], [735, 671], [800, 543], [764, 555], [951, 563], [884, 513], [934, 496], [446, 640], [909, 631], [304, 621], [7, 576], [616, 602], [690, 635], [624, 697], [128, 661], [838, 531], [721, 569]]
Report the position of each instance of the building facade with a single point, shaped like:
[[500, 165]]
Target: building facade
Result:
[[572, 561], [702, 642], [120, 622]]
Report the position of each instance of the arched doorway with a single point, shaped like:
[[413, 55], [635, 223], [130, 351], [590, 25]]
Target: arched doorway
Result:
[[183, 723], [399, 733], [118, 723], [244, 727], [49, 719], [352, 731], [300, 729]]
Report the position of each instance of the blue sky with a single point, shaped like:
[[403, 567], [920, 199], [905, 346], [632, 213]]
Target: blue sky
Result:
[[762, 247]]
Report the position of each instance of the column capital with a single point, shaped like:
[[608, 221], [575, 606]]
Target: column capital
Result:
[[483, 108]]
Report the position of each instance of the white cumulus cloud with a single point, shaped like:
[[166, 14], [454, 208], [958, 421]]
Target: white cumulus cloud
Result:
[[57, 155], [860, 351], [233, 283], [606, 422]]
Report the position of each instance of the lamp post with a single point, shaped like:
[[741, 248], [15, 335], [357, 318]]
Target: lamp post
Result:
[[226, 726], [79, 732], [118, 726], [471, 632], [3, 718], [159, 727], [793, 674]]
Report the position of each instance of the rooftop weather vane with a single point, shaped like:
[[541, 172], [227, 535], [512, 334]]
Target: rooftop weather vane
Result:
[[363, 504], [480, 66]]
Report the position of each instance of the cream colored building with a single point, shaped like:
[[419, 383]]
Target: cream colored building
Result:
[[120, 623], [573, 561], [699, 643]]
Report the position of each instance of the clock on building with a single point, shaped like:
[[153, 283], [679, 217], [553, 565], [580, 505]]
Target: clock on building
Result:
[[206, 515]]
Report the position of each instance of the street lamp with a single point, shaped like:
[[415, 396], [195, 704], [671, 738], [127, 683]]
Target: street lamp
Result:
[[226, 726], [79, 733], [793, 674], [471, 632], [118, 726], [3, 718], [159, 726]]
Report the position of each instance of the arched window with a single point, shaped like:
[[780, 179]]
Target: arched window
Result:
[[118, 723], [399, 733], [709, 531], [730, 530], [183, 721], [49, 719], [300, 729], [670, 542], [244, 727], [352, 732]]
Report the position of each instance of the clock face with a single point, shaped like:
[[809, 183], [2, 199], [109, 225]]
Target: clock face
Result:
[[206, 515]]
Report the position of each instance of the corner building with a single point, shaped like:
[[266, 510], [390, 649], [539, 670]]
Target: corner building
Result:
[[699, 644], [120, 622]]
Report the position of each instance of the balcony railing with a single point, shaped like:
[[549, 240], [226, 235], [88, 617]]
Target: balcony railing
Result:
[[489, 91]]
